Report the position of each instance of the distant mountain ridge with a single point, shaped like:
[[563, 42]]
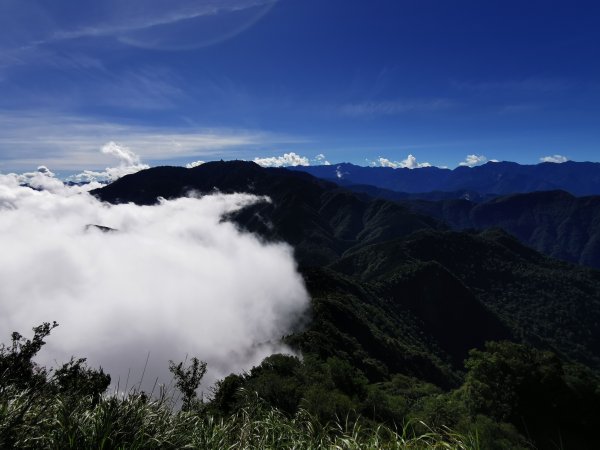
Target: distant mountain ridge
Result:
[[497, 178]]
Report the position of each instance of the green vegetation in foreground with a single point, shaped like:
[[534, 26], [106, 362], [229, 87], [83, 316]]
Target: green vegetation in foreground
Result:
[[63, 409], [59, 422], [512, 396]]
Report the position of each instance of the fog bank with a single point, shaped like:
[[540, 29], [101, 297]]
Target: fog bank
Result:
[[173, 280]]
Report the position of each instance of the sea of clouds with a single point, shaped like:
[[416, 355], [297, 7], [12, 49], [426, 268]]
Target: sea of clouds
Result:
[[173, 281]]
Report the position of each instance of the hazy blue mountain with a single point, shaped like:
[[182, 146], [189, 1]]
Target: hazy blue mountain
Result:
[[578, 178]]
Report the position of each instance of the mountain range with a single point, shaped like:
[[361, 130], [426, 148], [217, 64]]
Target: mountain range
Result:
[[497, 178], [555, 223]]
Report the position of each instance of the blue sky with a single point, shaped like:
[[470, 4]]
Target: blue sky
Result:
[[180, 80]]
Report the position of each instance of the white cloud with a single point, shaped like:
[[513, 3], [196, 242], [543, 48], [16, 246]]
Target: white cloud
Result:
[[129, 163], [42, 179], [287, 159], [130, 26], [123, 154], [473, 160], [409, 163], [141, 23], [194, 164], [174, 280], [320, 159], [554, 159]]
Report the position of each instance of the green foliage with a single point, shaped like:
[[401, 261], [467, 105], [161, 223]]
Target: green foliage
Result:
[[27, 388], [187, 380], [532, 389], [507, 380], [76, 377], [138, 423], [16, 360], [225, 394], [65, 410]]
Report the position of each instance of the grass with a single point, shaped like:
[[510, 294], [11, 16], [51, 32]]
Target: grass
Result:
[[37, 420]]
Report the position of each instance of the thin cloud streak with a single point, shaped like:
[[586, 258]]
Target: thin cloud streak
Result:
[[122, 25], [387, 108], [210, 9], [67, 143]]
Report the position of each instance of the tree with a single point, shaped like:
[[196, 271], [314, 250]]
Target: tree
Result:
[[16, 360], [187, 380]]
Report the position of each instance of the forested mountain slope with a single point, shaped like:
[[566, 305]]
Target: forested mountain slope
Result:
[[553, 222]]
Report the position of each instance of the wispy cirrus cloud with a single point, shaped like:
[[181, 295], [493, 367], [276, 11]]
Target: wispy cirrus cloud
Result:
[[68, 143], [140, 23], [158, 14], [394, 107], [143, 89]]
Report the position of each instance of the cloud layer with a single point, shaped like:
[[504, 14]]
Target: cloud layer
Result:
[[174, 280]]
